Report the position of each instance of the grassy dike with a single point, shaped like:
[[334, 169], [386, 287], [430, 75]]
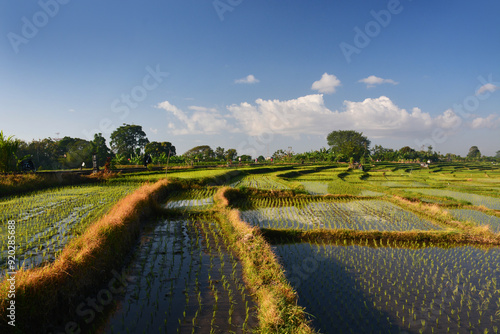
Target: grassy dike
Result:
[[46, 297], [278, 311]]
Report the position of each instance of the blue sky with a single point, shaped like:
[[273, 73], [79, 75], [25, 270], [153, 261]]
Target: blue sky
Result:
[[256, 75]]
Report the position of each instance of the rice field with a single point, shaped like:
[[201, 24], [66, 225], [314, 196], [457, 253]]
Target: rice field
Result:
[[362, 289], [367, 215], [487, 201], [261, 182], [199, 199], [47, 220], [478, 218], [183, 280]]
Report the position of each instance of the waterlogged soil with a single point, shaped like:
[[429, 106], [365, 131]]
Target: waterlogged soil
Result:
[[360, 289], [363, 215], [183, 280], [202, 203], [315, 188], [487, 201], [478, 218], [47, 220]]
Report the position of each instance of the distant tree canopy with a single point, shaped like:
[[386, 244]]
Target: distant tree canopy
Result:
[[220, 154], [100, 149], [474, 153], [128, 140], [156, 149], [203, 152], [348, 143], [76, 151], [231, 154]]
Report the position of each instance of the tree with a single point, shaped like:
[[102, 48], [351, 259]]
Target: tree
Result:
[[407, 153], [155, 149], [497, 155], [231, 154], [348, 143], [75, 152], [128, 140], [45, 153], [474, 153], [246, 158], [203, 152], [8, 149], [100, 149], [219, 153], [279, 154]]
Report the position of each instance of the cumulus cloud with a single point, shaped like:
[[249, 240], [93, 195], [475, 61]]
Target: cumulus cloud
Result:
[[249, 79], [327, 84], [372, 81], [291, 117], [201, 121], [308, 115], [489, 87], [490, 122]]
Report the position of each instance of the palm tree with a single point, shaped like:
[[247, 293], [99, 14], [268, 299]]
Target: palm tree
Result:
[[8, 148]]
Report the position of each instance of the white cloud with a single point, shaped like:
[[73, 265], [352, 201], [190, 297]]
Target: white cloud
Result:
[[490, 122], [249, 79], [155, 131], [448, 120], [489, 87], [72, 110], [327, 84], [378, 117], [372, 80], [201, 121], [292, 117]]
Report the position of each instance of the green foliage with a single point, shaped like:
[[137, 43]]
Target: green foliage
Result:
[[76, 151], [129, 140], [231, 154], [474, 153], [156, 149], [349, 143], [203, 152], [44, 153], [8, 149], [101, 149]]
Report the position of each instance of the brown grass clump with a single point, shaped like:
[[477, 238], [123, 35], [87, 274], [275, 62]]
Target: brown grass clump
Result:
[[278, 311], [84, 264]]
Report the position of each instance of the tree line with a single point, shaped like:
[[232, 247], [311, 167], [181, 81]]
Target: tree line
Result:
[[130, 145]]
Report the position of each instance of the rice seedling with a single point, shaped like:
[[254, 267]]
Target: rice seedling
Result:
[[357, 215], [423, 289], [47, 220], [186, 280], [477, 218]]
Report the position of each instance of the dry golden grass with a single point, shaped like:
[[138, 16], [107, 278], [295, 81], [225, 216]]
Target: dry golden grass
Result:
[[84, 263], [277, 301]]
